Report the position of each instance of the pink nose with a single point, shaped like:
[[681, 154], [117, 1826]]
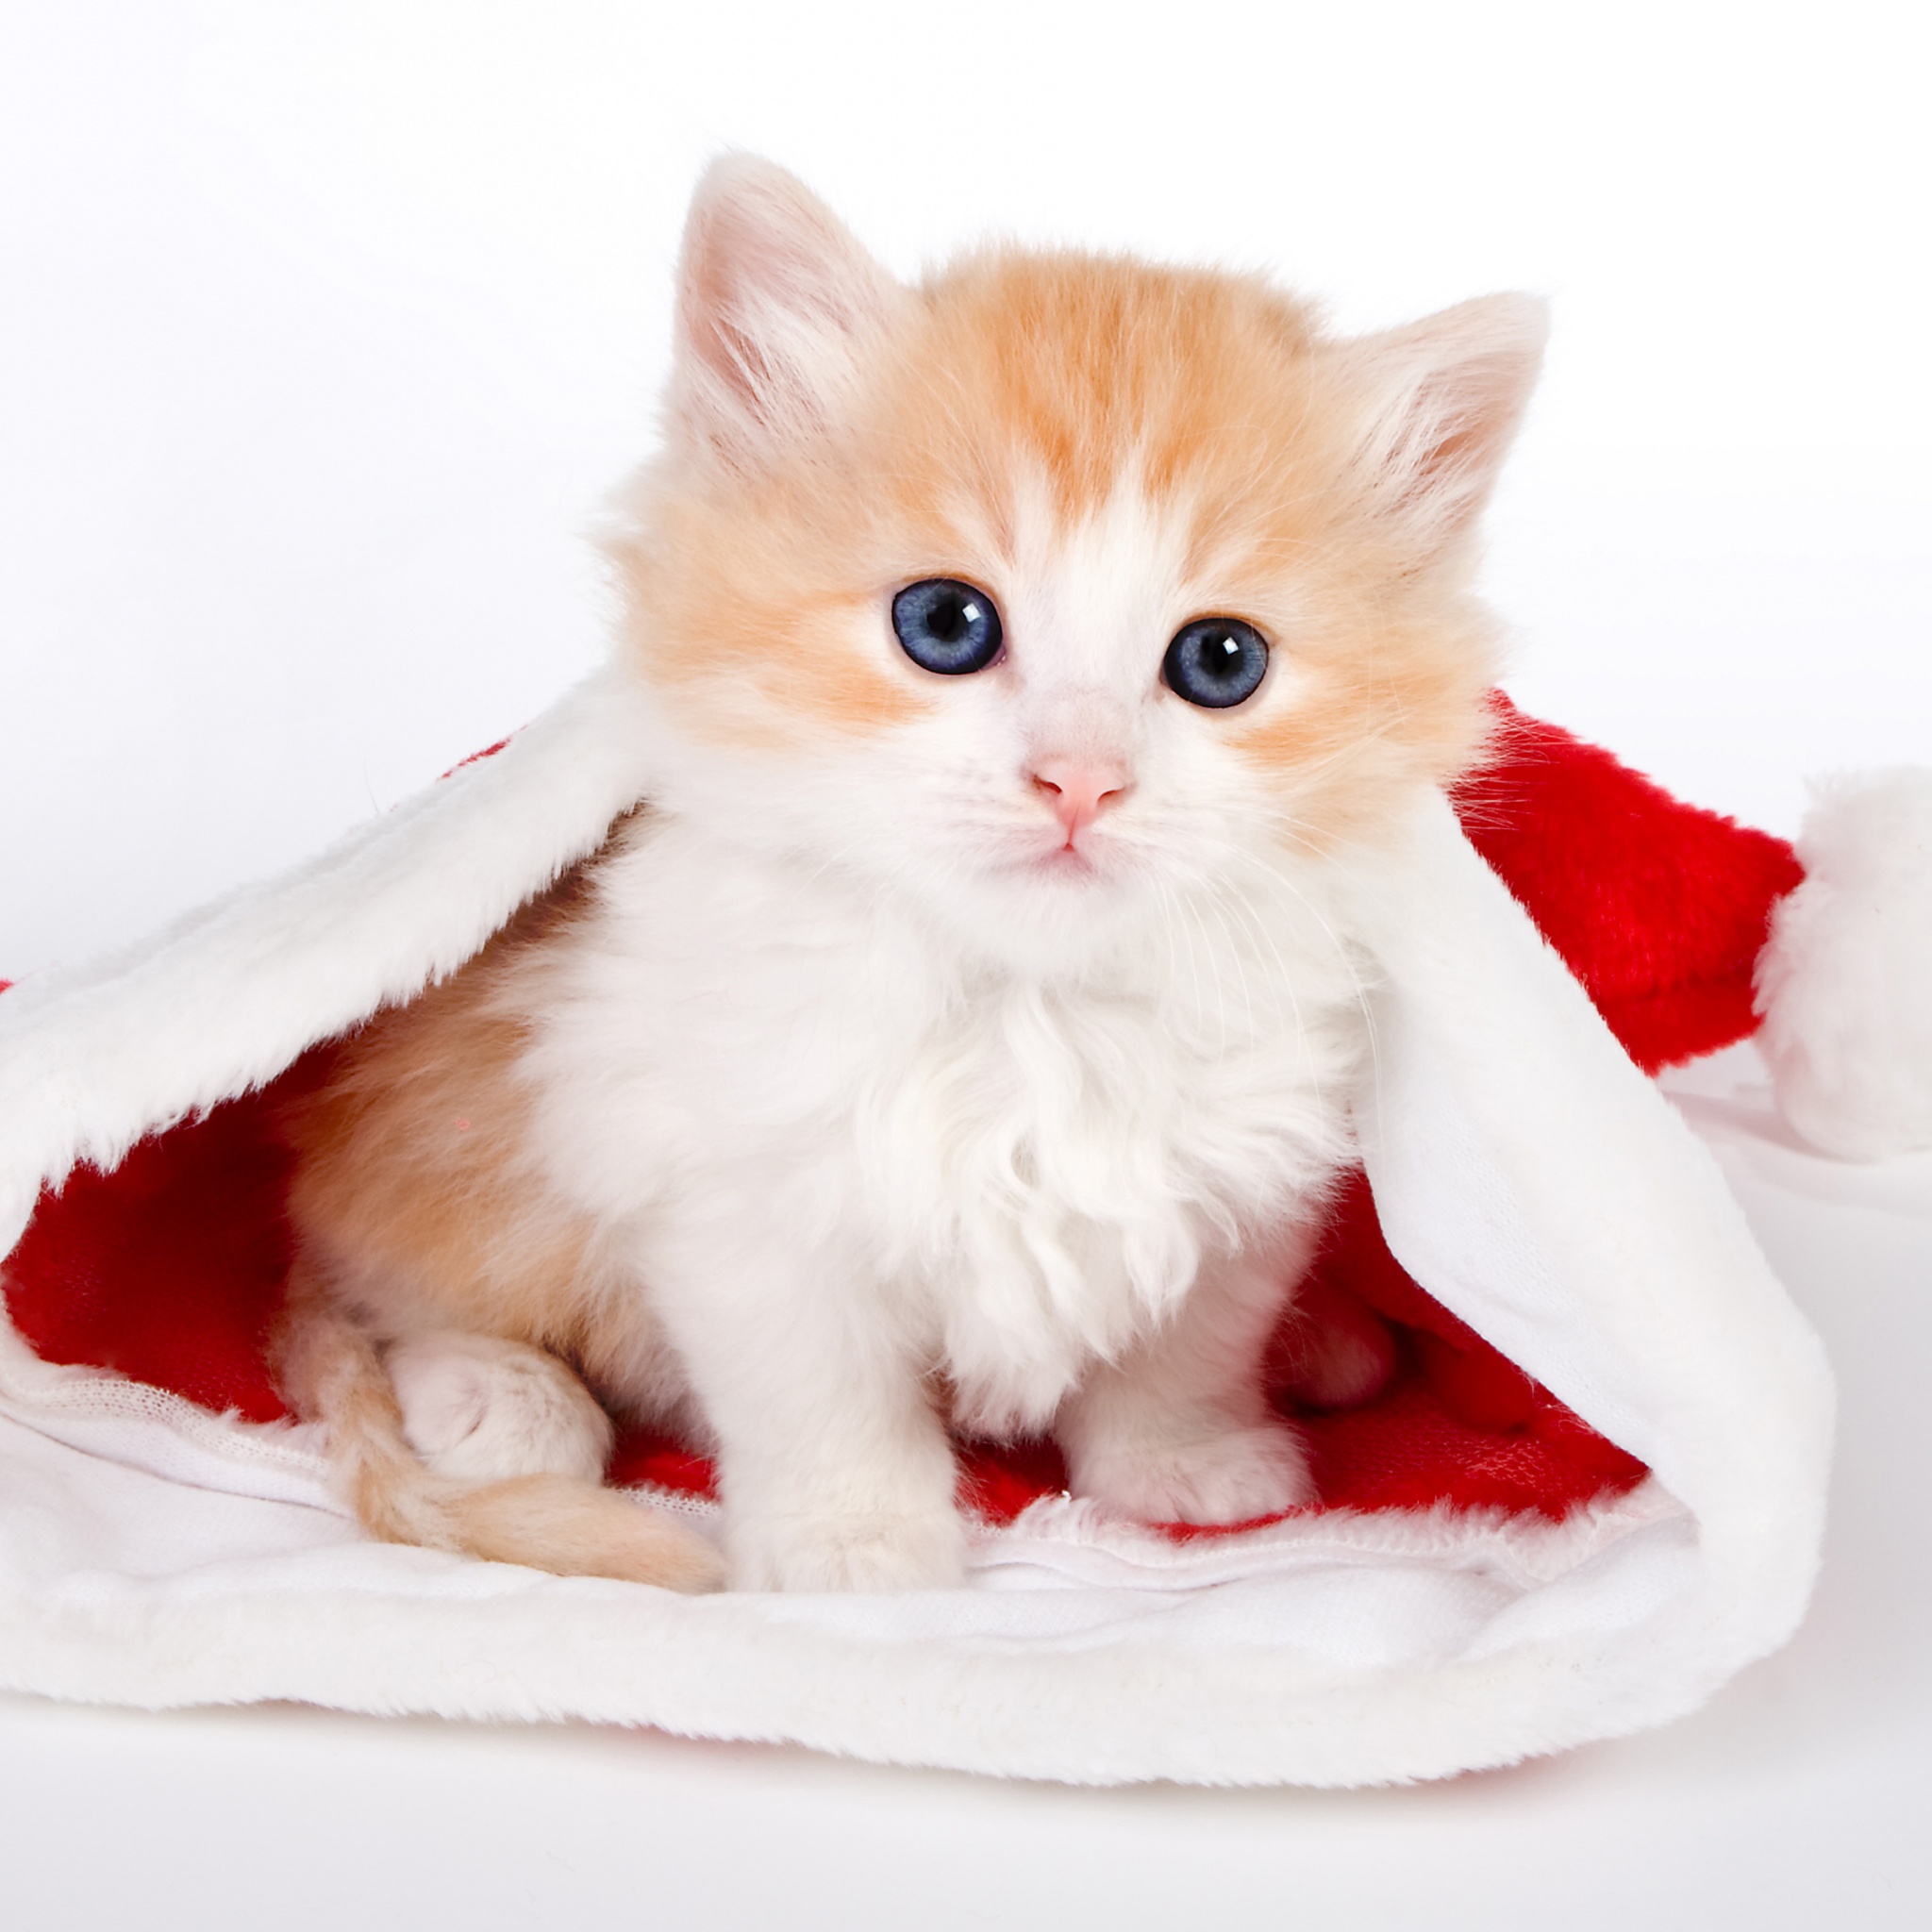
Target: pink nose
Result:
[[1079, 789]]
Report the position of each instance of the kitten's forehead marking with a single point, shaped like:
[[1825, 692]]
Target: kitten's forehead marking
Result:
[[1094, 595]]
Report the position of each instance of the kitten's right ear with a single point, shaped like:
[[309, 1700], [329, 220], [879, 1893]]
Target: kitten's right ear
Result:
[[1443, 398], [777, 308]]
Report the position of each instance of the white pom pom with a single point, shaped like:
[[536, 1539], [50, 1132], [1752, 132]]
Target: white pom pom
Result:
[[1845, 982]]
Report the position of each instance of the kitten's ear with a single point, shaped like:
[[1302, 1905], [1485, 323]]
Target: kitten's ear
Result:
[[777, 306], [1444, 396]]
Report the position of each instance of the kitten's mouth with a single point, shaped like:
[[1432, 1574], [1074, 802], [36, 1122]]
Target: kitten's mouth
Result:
[[1064, 861]]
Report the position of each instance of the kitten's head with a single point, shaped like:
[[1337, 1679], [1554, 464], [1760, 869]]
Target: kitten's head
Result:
[[1057, 581]]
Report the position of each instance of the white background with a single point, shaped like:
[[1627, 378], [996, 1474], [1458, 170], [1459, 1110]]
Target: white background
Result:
[[325, 329]]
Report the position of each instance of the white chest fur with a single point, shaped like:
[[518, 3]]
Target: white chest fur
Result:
[[1015, 1174]]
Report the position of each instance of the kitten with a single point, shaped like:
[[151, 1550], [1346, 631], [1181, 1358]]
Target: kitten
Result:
[[965, 1028]]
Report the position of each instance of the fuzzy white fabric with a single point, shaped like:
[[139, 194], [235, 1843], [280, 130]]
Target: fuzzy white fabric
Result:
[[1526, 1172], [1845, 983]]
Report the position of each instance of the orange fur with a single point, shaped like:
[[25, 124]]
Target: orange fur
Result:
[[755, 576], [410, 1157], [332, 1368], [1211, 393]]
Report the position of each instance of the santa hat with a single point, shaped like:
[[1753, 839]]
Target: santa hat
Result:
[[1590, 1489]]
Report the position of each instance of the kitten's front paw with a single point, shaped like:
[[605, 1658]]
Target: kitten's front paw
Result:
[[848, 1552], [1236, 1476]]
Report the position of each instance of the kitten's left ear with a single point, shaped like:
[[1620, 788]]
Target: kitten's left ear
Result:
[[779, 307], [1443, 398]]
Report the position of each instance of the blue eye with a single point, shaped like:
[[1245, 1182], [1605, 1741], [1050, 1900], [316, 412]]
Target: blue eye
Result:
[[947, 626], [1215, 662]]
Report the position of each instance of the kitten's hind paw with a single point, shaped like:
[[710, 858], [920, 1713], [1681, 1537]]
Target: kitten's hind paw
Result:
[[480, 1408], [1239, 1475]]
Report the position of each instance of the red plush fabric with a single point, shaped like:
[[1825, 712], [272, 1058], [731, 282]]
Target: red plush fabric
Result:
[[1658, 908], [171, 1268]]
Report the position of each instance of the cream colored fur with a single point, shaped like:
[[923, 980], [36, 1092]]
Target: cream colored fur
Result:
[[856, 1092]]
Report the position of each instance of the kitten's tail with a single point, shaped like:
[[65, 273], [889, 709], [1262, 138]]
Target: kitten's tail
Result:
[[334, 1374]]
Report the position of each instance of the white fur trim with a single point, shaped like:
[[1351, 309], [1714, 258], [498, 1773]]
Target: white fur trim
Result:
[[1526, 1173], [219, 1004], [1846, 983]]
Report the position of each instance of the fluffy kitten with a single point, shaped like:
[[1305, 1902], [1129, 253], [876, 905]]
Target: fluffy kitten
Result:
[[966, 1027]]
